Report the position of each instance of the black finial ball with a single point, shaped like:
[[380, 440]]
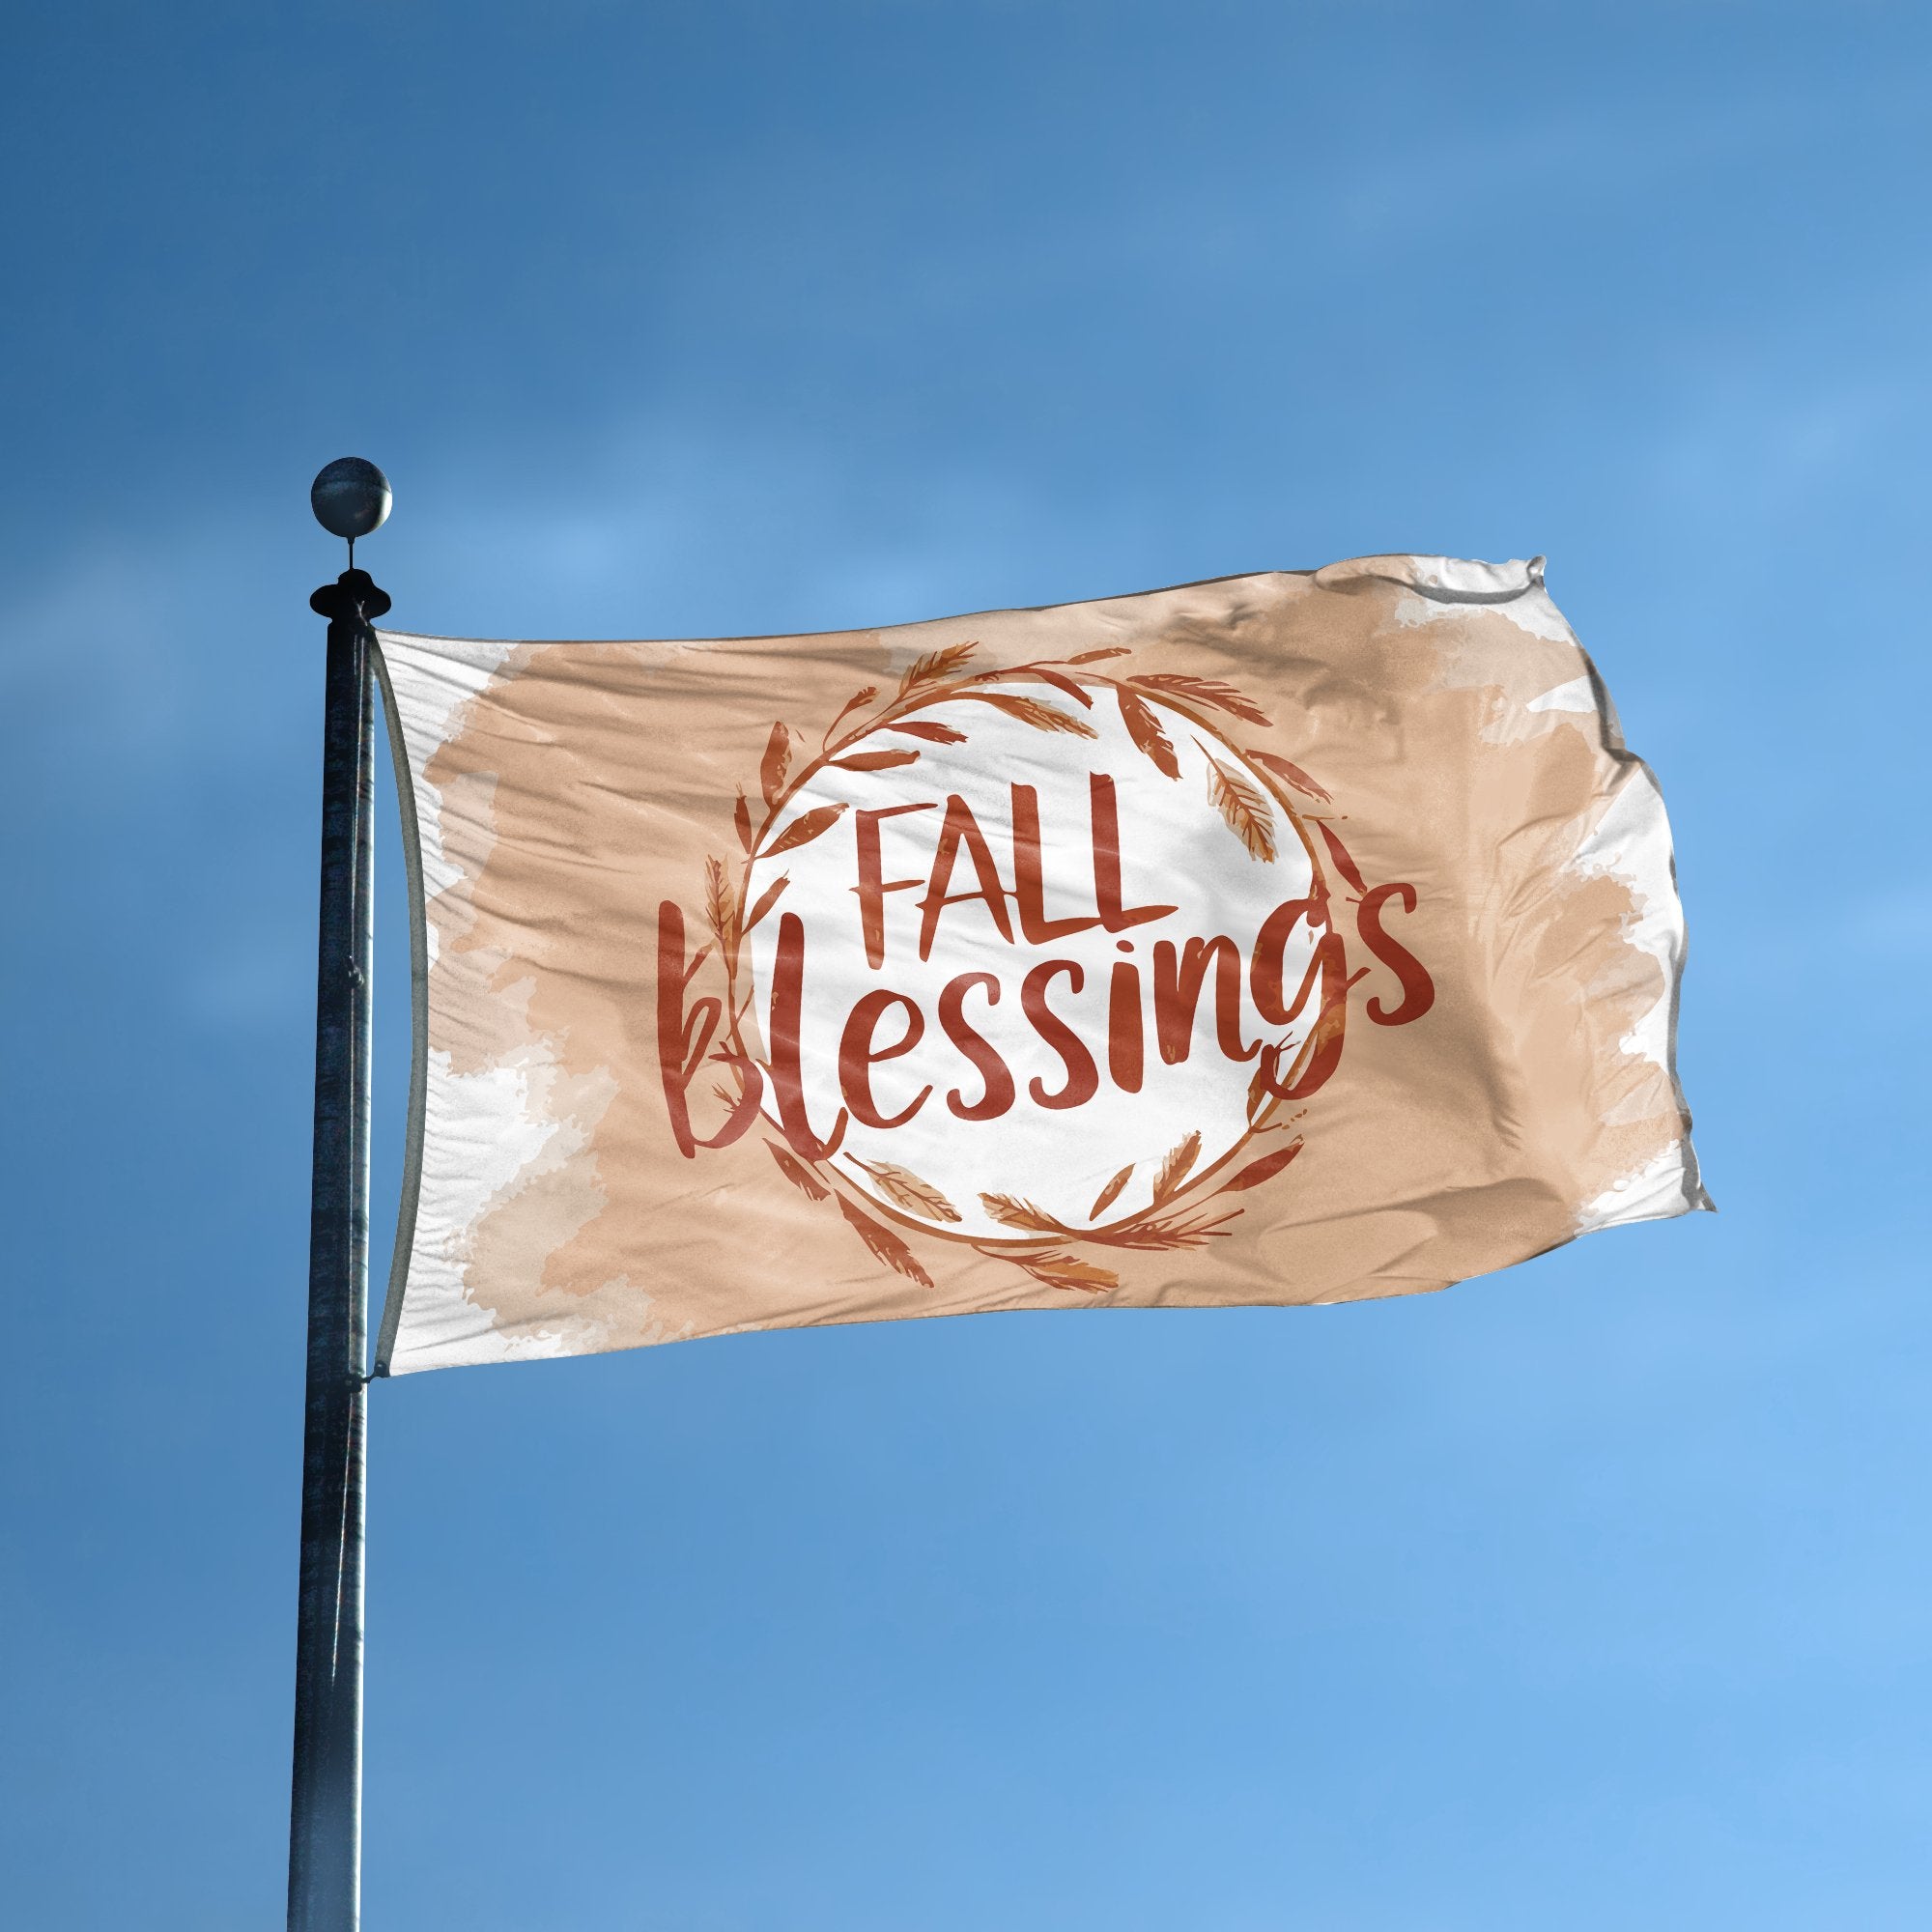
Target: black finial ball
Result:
[[350, 498]]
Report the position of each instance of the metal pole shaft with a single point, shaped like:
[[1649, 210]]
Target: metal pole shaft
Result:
[[326, 1816]]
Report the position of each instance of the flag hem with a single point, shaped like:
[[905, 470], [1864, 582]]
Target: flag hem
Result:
[[413, 1140]]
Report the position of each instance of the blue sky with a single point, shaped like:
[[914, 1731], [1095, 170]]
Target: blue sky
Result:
[[1592, 1595]]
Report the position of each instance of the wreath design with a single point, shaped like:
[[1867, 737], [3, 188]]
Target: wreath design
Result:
[[1181, 1212]]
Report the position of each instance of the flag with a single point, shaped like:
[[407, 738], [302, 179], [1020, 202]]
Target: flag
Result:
[[1290, 938]]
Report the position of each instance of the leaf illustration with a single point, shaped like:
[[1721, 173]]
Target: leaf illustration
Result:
[[1266, 1168], [1031, 711], [798, 1174], [1144, 728], [1063, 1271], [803, 830], [935, 666], [1012, 1212], [1260, 1089], [905, 1189], [1159, 1236], [886, 1246], [1339, 852], [1110, 1193], [1059, 681], [937, 735], [1248, 813], [1174, 1170], [767, 900], [1294, 774], [1209, 691], [777, 755], [718, 907], [853, 703], [741, 817], [875, 761], [1094, 657]]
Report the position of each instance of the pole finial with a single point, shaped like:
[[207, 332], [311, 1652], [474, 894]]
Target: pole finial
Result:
[[350, 498]]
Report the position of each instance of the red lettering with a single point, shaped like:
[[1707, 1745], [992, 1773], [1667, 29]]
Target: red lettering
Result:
[[787, 998], [872, 886], [1176, 992], [998, 1097], [1123, 1027], [1418, 990], [1264, 968], [961, 829], [1029, 884], [1104, 811], [1083, 1077], [684, 1038], [1321, 1051], [857, 1056]]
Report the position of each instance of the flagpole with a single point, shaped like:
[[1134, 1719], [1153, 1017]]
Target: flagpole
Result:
[[350, 498]]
